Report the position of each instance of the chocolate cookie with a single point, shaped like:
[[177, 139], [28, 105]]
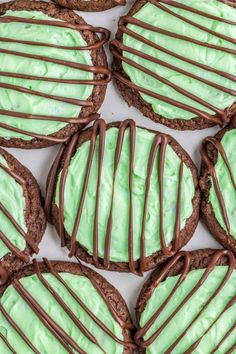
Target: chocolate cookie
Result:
[[218, 184], [53, 73], [176, 61], [67, 308], [90, 5], [189, 305], [22, 218], [123, 198]]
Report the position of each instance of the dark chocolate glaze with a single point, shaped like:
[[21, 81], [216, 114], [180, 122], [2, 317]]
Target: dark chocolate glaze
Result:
[[12, 248], [117, 48], [99, 129], [186, 258], [67, 342], [103, 73]]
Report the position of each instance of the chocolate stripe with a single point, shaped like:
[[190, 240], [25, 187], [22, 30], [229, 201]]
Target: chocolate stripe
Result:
[[84, 307], [55, 329], [212, 172], [11, 173], [29, 241], [224, 338], [101, 129], [192, 23], [7, 344], [215, 259], [18, 330], [64, 306], [41, 94], [33, 135], [69, 150], [193, 10], [21, 255], [50, 118], [100, 82], [119, 146]]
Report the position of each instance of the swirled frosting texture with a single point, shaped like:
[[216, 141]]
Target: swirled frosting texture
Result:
[[216, 59], [33, 104]]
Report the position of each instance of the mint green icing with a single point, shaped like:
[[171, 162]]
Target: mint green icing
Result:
[[226, 186], [216, 59], [120, 225], [30, 104], [12, 198], [192, 307], [39, 335]]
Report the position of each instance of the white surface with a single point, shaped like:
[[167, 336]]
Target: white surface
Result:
[[114, 108]]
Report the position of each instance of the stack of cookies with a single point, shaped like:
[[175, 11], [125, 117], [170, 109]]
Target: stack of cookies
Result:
[[122, 196]]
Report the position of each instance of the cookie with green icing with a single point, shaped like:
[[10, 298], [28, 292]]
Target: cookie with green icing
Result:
[[189, 305], [175, 61], [122, 197], [218, 184], [67, 308], [90, 5], [22, 219], [53, 74]]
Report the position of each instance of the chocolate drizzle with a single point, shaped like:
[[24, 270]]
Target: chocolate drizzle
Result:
[[185, 257], [12, 248], [117, 48], [102, 74], [66, 152], [51, 325], [211, 170]]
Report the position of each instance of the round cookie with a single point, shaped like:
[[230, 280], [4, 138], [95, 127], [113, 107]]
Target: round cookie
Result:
[[53, 74], [90, 5], [22, 218], [175, 61], [70, 308], [122, 197], [189, 305], [218, 185]]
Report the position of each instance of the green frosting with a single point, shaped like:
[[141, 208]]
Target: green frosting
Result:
[[30, 104], [226, 186], [12, 198], [192, 307], [216, 59], [39, 335], [119, 235]]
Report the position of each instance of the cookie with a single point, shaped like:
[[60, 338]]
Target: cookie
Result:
[[176, 61], [22, 218], [189, 305], [90, 5], [218, 185], [122, 197], [53, 73], [67, 308]]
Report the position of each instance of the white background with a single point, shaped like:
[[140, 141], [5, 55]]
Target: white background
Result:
[[114, 108]]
